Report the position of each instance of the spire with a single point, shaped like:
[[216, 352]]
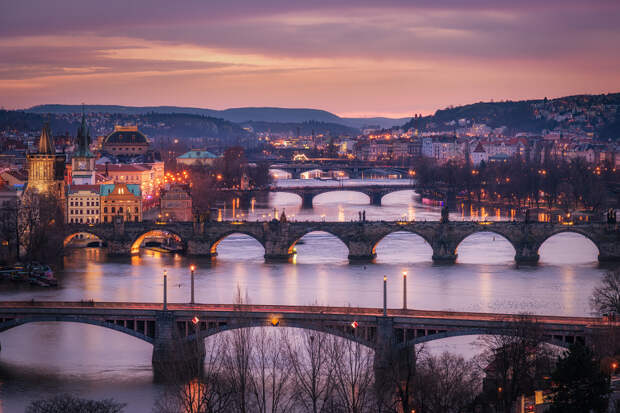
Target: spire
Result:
[[45, 142], [83, 138]]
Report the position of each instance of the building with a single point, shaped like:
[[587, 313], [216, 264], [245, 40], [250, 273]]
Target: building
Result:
[[83, 161], [45, 168], [196, 157], [125, 141], [83, 204], [176, 204], [479, 155], [121, 199], [150, 177]]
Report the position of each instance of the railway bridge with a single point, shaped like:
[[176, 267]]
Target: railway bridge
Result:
[[278, 238], [171, 328]]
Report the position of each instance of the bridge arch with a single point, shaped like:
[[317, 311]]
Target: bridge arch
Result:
[[344, 189], [563, 342], [137, 242], [344, 332], [569, 230], [240, 231], [67, 240], [489, 231], [395, 191], [149, 338], [332, 235], [426, 245]]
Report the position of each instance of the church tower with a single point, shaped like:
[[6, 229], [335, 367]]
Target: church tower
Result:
[[45, 168], [83, 161]]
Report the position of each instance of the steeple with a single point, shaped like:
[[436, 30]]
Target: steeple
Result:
[[45, 142], [83, 138]]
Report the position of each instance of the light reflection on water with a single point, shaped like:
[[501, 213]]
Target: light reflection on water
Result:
[[47, 358]]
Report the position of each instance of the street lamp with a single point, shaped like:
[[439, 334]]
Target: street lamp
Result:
[[404, 290], [192, 268], [385, 296], [165, 290]]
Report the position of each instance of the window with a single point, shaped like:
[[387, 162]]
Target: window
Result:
[[136, 209], [120, 209], [105, 210], [71, 203], [113, 209], [81, 203], [105, 218]]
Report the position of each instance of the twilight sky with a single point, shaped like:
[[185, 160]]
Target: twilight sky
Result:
[[351, 57]]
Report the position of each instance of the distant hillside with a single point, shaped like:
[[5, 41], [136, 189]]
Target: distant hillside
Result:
[[581, 111], [22, 121], [304, 128], [237, 115], [152, 124]]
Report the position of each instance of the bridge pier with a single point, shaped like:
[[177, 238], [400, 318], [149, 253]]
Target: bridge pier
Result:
[[119, 248], [375, 198], [609, 251], [306, 202], [174, 357], [361, 250], [199, 248]]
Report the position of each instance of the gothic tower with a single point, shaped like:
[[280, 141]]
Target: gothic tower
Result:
[[46, 169], [83, 161]]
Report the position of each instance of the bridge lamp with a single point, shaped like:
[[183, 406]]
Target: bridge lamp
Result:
[[614, 366], [192, 268], [195, 320], [354, 324], [404, 290], [275, 322]]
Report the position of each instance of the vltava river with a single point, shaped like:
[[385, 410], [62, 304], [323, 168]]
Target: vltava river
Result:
[[38, 360]]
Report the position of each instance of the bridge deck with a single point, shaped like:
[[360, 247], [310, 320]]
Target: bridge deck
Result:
[[93, 307]]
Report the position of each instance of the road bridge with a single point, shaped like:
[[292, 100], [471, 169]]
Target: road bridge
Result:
[[353, 169], [171, 327], [307, 193], [278, 238]]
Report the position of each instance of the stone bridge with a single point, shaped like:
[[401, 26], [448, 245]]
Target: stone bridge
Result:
[[354, 170], [173, 327], [307, 193], [361, 238]]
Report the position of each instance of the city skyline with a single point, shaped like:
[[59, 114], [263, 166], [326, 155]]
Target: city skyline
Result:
[[352, 59]]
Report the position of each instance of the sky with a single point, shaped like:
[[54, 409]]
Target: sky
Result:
[[351, 57]]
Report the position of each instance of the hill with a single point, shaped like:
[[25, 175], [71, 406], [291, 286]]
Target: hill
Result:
[[599, 114], [237, 115]]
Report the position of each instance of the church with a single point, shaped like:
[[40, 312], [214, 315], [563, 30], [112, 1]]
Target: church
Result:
[[46, 169]]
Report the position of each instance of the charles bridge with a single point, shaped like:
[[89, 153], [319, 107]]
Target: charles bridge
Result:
[[278, 238], [177, 330]]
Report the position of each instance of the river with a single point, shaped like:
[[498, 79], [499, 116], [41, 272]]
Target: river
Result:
[[38, 360]]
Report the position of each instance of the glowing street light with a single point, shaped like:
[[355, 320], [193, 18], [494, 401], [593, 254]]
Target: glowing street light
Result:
[[192, 268], [404, 290]]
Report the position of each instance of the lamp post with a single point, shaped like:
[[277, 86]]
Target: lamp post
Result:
[[165, 290], [385, 296], [404, 290], [192, 268]]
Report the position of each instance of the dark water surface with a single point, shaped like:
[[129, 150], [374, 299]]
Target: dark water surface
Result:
[[38, 360]]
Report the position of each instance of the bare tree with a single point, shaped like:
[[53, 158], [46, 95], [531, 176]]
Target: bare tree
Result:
[[270, 376], [66, 403], [208, 393], [398, 381], [308, 358], [353, 376], [515, 361], [445, 384], [606, 297]]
